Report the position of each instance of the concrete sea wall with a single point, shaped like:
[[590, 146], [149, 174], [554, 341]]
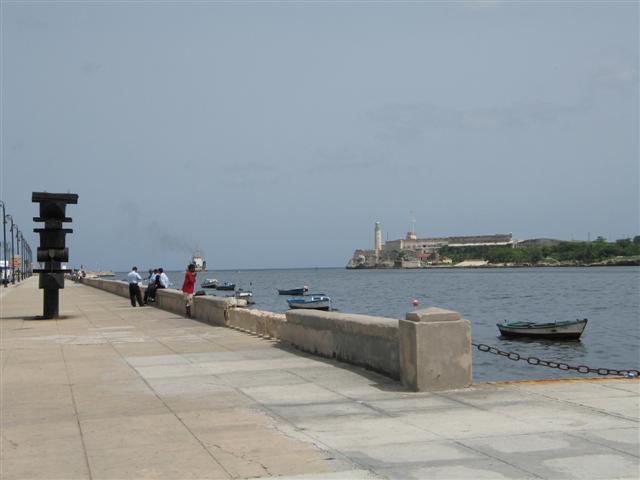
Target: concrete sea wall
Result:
[[428, 350]]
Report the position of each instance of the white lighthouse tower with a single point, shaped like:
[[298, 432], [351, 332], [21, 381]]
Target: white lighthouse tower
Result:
[[377, 240]]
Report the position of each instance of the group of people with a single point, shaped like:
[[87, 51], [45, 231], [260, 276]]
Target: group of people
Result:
[[158, 280]]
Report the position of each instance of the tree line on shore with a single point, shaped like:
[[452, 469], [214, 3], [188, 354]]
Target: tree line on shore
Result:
[[579, 252]]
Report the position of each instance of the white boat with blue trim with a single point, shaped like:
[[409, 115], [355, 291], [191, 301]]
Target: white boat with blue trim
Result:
[[315, 301]]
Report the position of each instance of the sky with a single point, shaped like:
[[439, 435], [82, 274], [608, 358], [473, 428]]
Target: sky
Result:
[[274, 135]]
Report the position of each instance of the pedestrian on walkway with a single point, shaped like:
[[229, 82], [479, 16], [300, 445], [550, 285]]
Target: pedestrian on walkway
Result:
[[134, 279], [188, 286], [152, 285]]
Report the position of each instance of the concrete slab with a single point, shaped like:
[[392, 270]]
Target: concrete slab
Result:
[[402, 454], [457, 423], [345, 432], [126, 393], [103, 400], [221, 400], [169, 461], [133, 431], [590, 465], [154, 360], [299, 413], [620, 439], [299, 393], [260, 378], [489, 469], [340, 475], [403, 405], [553, 455]]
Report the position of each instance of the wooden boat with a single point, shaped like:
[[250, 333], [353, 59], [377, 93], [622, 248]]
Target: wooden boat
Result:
[[226, 286], [567, 330], [315, 301], [294, 291], [244, 295], [209, 283]]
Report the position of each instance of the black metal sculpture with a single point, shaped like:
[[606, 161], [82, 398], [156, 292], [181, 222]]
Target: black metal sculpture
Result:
[[52, 251]]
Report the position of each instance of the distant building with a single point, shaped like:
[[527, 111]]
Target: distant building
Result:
[[414, 252]]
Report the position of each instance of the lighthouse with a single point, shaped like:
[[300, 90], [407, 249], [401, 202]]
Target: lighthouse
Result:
[[377, 240]]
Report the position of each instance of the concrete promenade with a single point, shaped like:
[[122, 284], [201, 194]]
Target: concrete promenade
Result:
[[115, 392]]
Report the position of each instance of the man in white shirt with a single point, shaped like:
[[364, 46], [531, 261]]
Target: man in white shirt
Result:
[[133, 277], [164, 280]]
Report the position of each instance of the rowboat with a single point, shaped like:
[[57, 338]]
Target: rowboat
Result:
[[209, 283], [567, 330], [315, 301], [226, 286], [245, 295], [294, 291]]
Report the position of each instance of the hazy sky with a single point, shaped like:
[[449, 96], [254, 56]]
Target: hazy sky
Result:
[[276, 134]]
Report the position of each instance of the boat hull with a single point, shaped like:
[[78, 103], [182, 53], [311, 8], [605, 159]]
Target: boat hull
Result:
[[293, 291], [326, 306], [247, 296], [226, 287], [317, 302], [554, 331]]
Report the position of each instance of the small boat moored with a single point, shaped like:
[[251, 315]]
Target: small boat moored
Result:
[[315, 301], [244, 295], [209, 283], [294, 291], [567, 330], [226, 286]]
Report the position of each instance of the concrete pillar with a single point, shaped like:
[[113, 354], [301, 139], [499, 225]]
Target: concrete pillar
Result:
[[435, 350]]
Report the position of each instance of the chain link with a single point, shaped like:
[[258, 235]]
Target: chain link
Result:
[[558, 365]]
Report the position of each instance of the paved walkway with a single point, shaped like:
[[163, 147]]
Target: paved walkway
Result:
[[117, 392]]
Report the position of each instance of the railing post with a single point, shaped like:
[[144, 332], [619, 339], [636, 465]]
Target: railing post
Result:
[[435, 350]]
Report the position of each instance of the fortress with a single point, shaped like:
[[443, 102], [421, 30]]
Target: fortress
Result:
[[414, 252]]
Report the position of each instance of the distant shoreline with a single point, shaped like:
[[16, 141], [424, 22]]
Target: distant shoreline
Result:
[[632, 262]]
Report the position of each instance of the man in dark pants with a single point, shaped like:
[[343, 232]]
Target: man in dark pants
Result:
[[134, 289], [152, 285]]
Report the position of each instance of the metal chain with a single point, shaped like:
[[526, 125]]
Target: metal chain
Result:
[[559, 365]]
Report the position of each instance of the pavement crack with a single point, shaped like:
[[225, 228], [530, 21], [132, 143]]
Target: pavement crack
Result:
[[243, 457]]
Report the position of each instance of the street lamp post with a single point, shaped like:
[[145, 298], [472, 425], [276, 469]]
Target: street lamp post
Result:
[[18, 241], [20, 253], [24, 247], [13, 279], [4, 246], [28, 262]]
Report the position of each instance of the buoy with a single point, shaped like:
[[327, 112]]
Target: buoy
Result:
[[415, 302]]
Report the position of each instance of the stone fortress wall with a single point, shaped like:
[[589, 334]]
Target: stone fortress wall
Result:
[[414, 252]]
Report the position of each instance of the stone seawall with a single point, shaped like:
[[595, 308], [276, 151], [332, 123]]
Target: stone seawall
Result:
[[418, 350]]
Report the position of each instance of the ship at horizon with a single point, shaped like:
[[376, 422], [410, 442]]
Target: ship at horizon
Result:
[[198, 260]]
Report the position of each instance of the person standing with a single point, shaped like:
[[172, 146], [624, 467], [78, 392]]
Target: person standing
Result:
[[188, 286], [152, 284], [134, 279]]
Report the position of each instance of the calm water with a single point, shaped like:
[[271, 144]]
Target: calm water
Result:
[[608, 297]]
